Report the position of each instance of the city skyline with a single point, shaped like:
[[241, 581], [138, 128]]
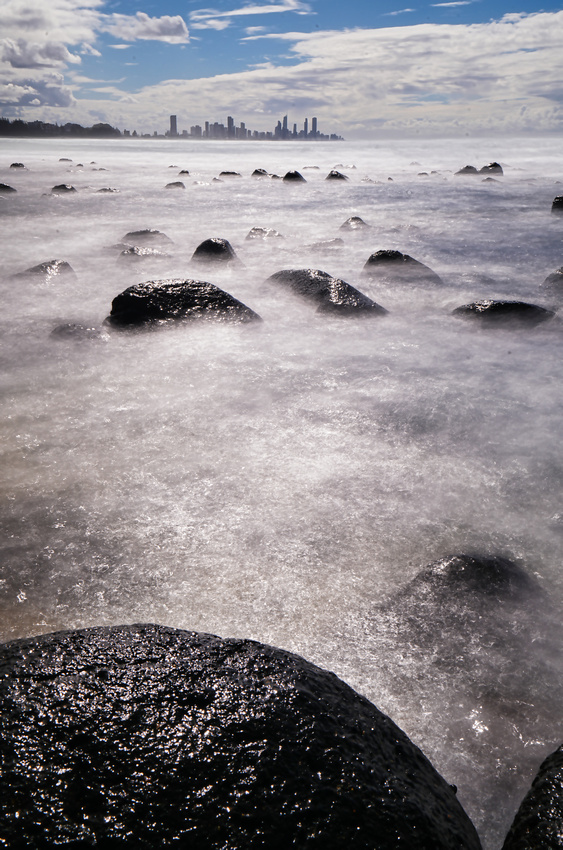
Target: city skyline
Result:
[[281, 132]]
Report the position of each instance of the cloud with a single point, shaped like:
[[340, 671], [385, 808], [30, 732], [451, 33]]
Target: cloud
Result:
[[454, 3], [29, 54], [171, 29], [210, 18], [398, 12]]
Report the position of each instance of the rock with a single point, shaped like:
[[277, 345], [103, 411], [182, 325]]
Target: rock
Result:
[[214, 250], [293, 177], [539, 820], [175, 298], [145, 736], [146, 237], [504, 313], [259, 172], [395, 267], [176, 185], [327, 245], [75, 332], [336, 175], [230, 174], [263, 233], [557, 205], [47, 271], [354, 223], [64, 159], [330, 293], [17, 165], [489, 180], [184, 171], [553, 283], [107, 190], [6, 189], [63, 189], [141, 252], [467, 169], [491, 168]]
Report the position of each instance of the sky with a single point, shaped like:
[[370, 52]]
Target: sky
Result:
[[364, 68]]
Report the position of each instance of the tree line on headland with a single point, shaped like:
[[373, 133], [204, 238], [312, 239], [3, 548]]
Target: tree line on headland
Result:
[[42, 128]]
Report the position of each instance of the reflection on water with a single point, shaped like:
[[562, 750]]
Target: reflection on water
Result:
[[283, 481]]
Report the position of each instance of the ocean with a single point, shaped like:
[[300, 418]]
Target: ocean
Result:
[[283, 481]]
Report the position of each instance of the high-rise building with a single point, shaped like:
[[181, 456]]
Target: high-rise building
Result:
[[173, 126], [230, 127], [314, 127], [306, 127]]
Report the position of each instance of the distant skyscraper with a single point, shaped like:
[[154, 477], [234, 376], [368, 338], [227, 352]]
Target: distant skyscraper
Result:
[[314, 127], [230, 127], [306, 127], [173, 126]]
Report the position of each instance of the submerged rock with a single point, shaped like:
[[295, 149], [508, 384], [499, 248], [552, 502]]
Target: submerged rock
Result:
[[215, 250], [491, 168], [557, 205], [107, 190], [145, 736], [17, 165], [177, 184], [63, 189], [467, 169], [161, 300], [327, 245], [141, 252], [507, 313], [395, 267], [75, 332], [293, 177], [146, 237], [538, 824], [5, 188], [553, 283], [47, 271], [330, 293], [259, 172], [263, 233], [354, 223], [336, 175], [230, 174]]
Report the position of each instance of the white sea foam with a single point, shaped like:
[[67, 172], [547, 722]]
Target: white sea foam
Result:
[[280, 481]]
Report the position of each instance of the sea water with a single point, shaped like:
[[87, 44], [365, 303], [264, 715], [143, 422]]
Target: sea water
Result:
[[282, 481]]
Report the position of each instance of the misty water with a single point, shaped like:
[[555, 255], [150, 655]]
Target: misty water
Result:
[[282, 481]]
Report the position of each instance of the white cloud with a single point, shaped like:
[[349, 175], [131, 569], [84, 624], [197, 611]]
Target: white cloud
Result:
[[210, 18], [30, 54], [398, 12], [211, 24], [455, 3], [171, 29], [119, 46]]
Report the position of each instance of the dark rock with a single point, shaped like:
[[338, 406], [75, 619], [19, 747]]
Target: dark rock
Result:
[[354, 223], [145, 736], [141, 252], [538, 824], [5, 188], [553, 283], [183, 171], [63, 189], [491, 168], [75, 332], [230, 174], [330, 293], [217, 180], [263, 233], [557, 205], [336, 175], [47, 271], [146, 237], [293, 177], [161, 300], [504, 313], [65, 159], [395, 267], [489, 180], [107, 190], [176, 185], [311, 168], [467, 169], [17, 165], [259, 172], [214, 250]]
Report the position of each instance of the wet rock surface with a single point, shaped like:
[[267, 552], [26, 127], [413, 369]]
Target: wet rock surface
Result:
[[46, 271], [161, 300], [293, 177], [538, 824], [214, 250], [7, 189], [557, 205], [553, 284], [144, 736], [331, 294], [148, 237], [336, 175], [395, 267], [504, 313], [141, 252], [354, 223], [63, 189], [491, 168], [263, 233]]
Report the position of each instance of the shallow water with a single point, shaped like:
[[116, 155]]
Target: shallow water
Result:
[[281, 481]]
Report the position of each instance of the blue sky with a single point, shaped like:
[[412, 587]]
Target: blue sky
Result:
[[362, 67]]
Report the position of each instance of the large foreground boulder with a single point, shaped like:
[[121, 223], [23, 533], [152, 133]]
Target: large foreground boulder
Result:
[[539, 820], [395, 267], [330, 293], [176, 298], [144, 736], [504, 313]]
